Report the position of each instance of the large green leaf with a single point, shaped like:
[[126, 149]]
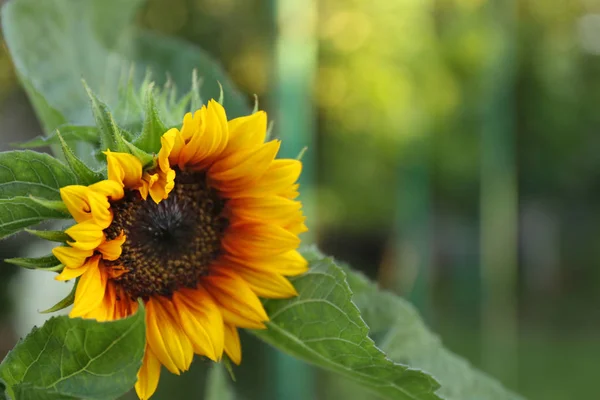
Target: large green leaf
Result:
[[404, 338], [322, 326], [54, 43], [28, 173], [75, 358], [20, 212]]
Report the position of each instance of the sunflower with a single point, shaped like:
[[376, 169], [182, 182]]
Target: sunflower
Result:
[[199, 237]]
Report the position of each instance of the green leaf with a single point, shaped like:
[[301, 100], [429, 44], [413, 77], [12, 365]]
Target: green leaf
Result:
[[405, 338], [76, 358], [64, 303], [85, 175], [54, 43], [322, 326], [20, 212], [52, 236], [48, 263], [154, 128], [2, 390], [87, 134], [50, 117], [28, 173], [217, 384]]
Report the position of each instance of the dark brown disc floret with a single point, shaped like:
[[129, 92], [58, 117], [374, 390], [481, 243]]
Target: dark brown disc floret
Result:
[[171, 244]]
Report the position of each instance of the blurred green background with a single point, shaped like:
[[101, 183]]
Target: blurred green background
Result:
[[453, 156]]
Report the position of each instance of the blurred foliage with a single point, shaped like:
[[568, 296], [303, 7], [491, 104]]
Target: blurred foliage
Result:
[[393, 71]]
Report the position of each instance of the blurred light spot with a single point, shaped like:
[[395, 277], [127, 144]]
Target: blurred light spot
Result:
[[166, 17], [215, 7], [250, 69], [470, 5], [348, 30], [589, 33], [332, 87]]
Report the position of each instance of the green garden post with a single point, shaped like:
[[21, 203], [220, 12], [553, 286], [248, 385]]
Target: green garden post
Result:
[[499, 198], [295, 62]]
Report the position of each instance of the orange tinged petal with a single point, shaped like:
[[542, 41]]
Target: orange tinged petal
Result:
[[290, 263], [233, 347], [244, 167], [280, 176], [201, 320], [111, 250], [247, 240], [267, 284], [274, 209], [238, 302], [166, 338], [148, 375], [108, 188]]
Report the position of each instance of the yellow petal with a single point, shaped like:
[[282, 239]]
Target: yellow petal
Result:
[[233, 347], [111, 250], [217, 131], [247, 240], [246, 132], [161, 187], [76, 201], [245, 167], [238, 302], [86, 235], [90, 289], [267, 284], [201, 320], [108, 188], [278, 178], [71, 273], [124, 168], [167, 141], [71, 257], [148, 375], [166, 338], [101, 214]]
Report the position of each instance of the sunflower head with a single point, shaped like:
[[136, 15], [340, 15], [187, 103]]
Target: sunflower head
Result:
[[198, 234]]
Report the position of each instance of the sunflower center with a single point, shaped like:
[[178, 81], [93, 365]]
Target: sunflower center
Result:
[[171, 244]]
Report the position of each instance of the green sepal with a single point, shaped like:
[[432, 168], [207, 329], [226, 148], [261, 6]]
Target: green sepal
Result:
[[221, 95], [148, 160], [153, 128], [196, 100], [47, 263], [85, 175], [64, 303], [51, 236], [228, 364], [88, 134], [111, 136], [129, 109]]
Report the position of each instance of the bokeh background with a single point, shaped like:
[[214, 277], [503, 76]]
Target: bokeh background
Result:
[[453, 156]]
